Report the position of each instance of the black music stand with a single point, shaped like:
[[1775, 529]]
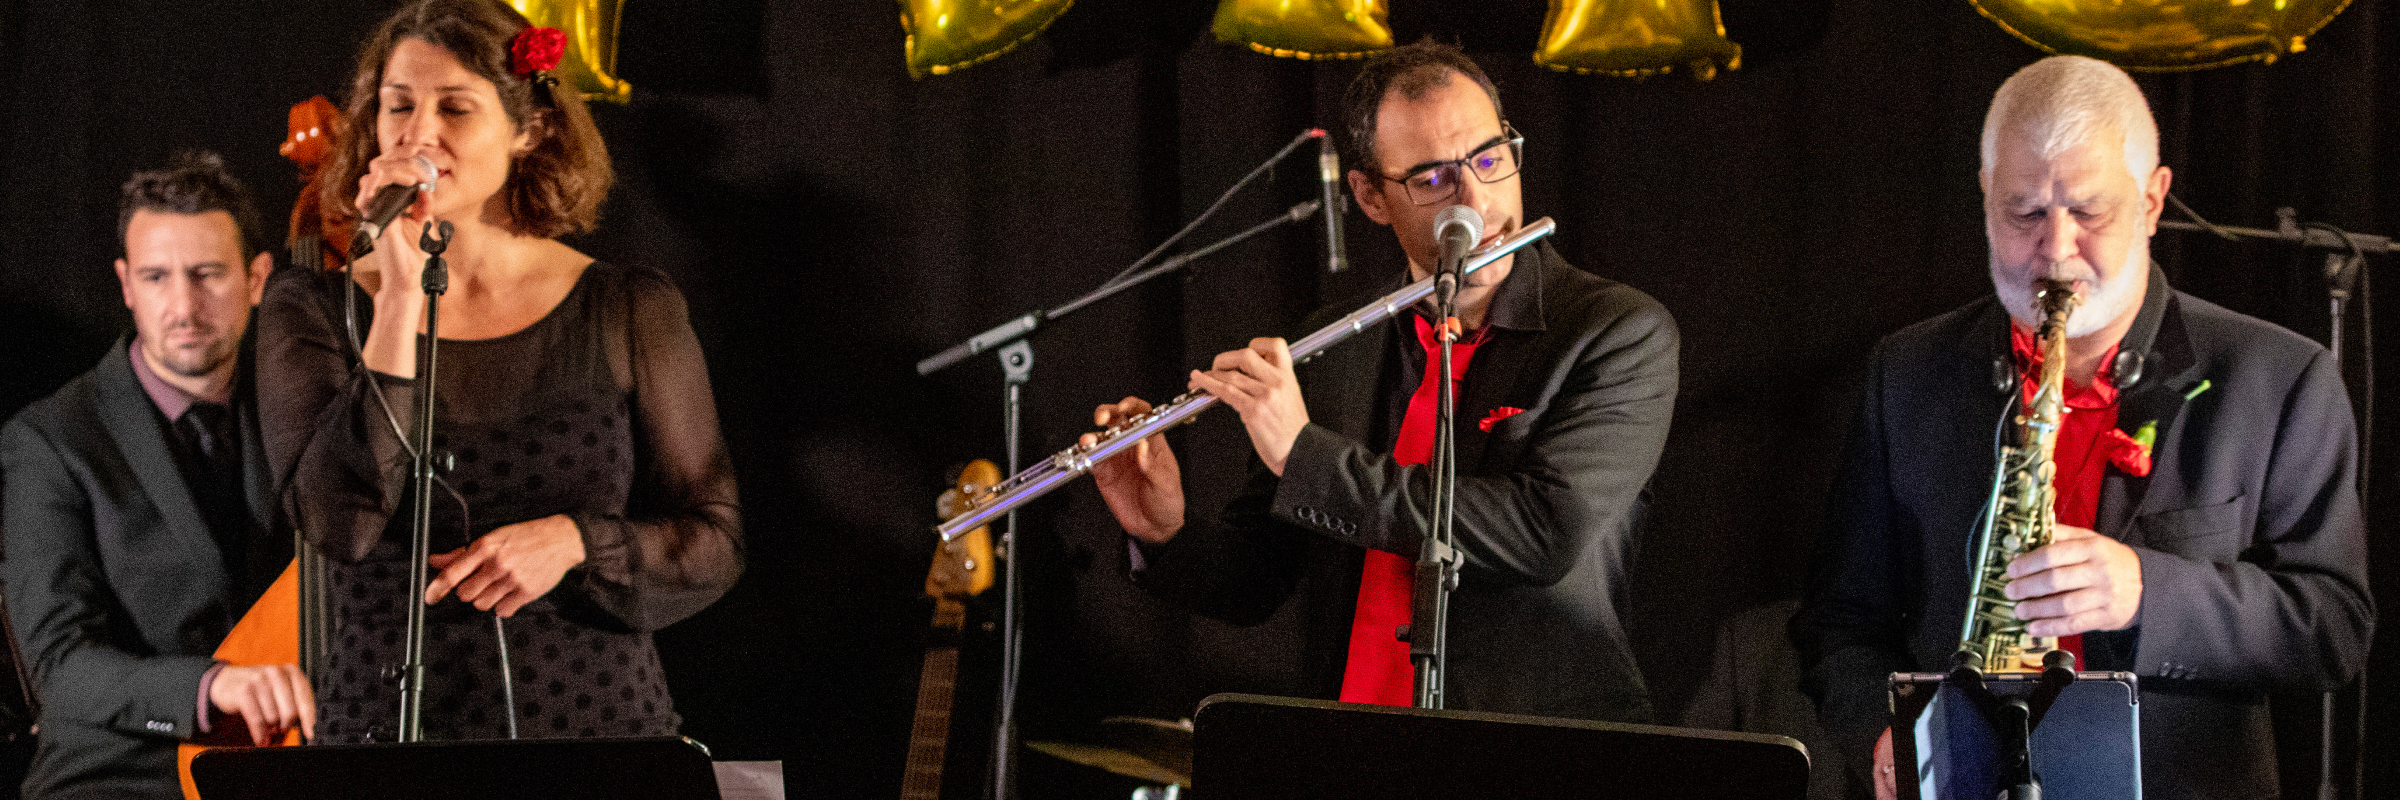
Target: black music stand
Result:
[[2087, 745], [1253, 746], [653, 767]]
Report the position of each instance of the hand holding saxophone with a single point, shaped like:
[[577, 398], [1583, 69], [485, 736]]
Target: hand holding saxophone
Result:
[[2082, 581]]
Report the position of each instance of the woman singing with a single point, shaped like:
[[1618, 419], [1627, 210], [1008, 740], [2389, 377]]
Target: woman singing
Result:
[[585, 497]]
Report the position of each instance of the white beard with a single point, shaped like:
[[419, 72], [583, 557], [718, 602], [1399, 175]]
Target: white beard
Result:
[[2101, 304]]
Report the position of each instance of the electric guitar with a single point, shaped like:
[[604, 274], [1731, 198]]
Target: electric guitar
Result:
[[962, 568]]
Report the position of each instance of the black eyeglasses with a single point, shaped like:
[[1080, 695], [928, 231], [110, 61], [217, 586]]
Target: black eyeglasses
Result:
[[1437, 182]]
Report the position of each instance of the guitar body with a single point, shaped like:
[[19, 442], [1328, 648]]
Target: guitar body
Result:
[[268, 634], [962, 568]]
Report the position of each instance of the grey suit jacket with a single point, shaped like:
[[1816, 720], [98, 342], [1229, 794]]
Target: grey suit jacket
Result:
[[1548, 499], [117, 589], [2251, 540]]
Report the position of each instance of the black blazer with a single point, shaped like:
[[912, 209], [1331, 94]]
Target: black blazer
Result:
[[1548, 499], [2248, 527], [118, 591]]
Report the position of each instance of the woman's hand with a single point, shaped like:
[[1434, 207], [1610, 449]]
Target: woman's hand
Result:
[[396, 256], [509, 567]]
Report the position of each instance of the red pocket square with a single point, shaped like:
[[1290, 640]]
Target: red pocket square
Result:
[[1498, 414]]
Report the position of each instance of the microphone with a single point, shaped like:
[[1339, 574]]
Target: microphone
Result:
[[387, 204], [1458, 228], [1329, 176]]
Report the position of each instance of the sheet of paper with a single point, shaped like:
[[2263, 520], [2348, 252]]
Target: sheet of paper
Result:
[[749, 780]]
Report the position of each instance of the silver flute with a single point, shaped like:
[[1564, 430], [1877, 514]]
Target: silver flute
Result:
[[1073, 462]]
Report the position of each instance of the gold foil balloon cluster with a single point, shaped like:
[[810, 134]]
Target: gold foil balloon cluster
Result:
[[1306, 29], [2165, 35], [1630, 38], [945, 35], [1636, 38], [590, 63], [1611, 37]]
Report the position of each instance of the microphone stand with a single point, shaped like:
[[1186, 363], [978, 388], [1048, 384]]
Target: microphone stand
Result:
[[2345, 274], [2344, 260], [1428, 629], [1016, 362], [2015, 718], [434, 240]]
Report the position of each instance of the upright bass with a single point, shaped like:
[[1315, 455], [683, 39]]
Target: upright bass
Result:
[[282, 626]]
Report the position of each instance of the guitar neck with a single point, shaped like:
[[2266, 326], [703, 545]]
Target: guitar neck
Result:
[[929, 738]]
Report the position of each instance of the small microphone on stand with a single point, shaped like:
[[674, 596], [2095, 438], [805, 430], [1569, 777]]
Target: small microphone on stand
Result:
[[1329, 177], [387, 204], [1457, 228]]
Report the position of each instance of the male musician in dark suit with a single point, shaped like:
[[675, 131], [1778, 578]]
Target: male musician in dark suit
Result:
[[2223, 560], [134, 517], [1568, 384]]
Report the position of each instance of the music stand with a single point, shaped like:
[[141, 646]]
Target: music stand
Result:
[[1253, 746], [2086, 747], [657, 767]]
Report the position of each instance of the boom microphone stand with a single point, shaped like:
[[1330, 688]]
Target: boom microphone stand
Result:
[[2345, 275], [1011, 339]]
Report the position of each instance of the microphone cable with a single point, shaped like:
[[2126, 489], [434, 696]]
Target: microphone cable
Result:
[[1214, 207]]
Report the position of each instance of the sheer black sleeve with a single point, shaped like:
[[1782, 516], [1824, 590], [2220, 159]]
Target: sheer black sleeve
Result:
[[676, 546], [336, 451]]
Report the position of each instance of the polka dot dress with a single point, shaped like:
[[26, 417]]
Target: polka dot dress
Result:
[[531, 424]]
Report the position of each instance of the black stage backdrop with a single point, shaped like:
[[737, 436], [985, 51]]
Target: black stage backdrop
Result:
[[832, 221]]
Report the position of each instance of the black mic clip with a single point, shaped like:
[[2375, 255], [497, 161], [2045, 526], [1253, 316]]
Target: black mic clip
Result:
[[434, 240]]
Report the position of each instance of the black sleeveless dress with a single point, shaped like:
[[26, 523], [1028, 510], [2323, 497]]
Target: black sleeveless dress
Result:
[[600, 411]]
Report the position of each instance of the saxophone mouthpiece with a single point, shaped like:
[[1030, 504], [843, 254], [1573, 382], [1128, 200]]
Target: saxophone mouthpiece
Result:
[[2043, 288]]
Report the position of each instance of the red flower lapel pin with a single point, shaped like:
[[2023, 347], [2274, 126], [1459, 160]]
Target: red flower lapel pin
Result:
[[2129, 453]]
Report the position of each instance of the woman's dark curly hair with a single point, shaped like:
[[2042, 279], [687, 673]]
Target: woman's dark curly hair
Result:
[[554, 188]]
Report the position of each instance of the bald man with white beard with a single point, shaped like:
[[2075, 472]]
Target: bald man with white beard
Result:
[[2209, 535]]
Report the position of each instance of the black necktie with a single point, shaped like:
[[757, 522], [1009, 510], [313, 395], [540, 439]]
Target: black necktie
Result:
[[216, 475], [208, 427]]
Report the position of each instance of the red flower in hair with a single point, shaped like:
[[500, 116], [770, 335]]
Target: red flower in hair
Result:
[[536, 49]]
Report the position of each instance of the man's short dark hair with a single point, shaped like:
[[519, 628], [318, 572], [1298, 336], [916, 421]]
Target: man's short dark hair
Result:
[[1413, 70], [194, 182]]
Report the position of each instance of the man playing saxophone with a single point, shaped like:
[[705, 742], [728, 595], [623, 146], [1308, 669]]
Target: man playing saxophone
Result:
[[2208, 534]]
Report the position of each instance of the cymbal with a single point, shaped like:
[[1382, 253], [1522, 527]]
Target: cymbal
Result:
[[1153, 750], [1114, 760]]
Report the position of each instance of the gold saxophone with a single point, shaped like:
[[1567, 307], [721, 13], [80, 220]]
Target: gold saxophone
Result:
[[2021, 515]]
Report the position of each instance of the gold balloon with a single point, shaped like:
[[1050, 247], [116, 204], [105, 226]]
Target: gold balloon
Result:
[[1306, 29], [945, 35], [590, 62], [2165, 35], [1636, 38]]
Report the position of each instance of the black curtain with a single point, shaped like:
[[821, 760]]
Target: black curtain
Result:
[[832, 221]]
